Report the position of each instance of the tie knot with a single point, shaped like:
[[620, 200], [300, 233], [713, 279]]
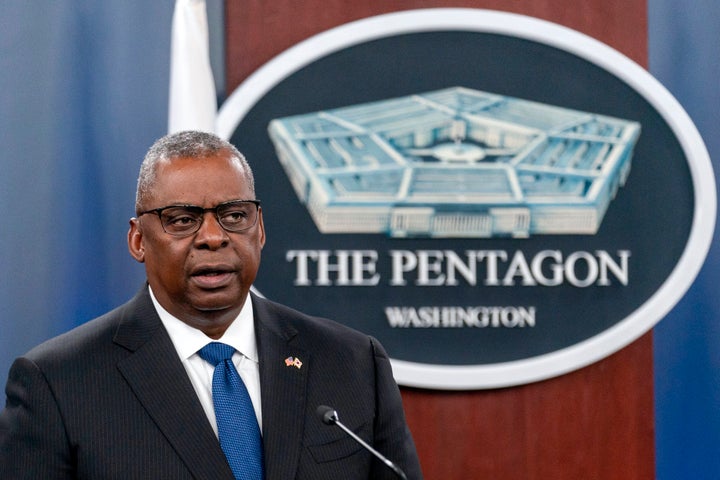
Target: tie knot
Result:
[[216, 352]]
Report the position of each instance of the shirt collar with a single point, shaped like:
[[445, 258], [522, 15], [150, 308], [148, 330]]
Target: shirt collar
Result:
[[188, 340]]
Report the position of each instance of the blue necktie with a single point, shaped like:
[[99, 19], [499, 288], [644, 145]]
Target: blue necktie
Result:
[[237, 425]]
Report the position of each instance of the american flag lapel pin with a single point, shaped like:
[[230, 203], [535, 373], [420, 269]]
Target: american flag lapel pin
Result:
[[293, 362]]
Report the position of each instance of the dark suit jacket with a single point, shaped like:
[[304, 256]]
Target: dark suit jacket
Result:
[[110, 399]]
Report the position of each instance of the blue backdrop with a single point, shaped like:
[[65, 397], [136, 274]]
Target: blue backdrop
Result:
[[684, 41], [83, 93]]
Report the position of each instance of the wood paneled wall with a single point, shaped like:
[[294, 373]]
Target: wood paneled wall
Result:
[[595, 423]]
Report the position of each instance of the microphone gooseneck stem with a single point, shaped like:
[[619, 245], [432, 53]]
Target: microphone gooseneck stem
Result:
[[330, 417]]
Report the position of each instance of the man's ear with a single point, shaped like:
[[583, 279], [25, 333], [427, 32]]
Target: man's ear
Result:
[[136, 245], [261, 227]]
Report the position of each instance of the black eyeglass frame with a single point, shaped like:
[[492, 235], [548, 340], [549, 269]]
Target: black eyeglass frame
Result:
[[202, 211]]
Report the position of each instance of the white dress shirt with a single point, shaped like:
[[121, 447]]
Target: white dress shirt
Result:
[[239, 335]]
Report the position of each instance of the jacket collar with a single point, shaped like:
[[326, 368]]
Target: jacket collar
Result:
[[157, 377], [284, 368]]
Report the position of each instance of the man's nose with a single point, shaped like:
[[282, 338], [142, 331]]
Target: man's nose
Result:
[[211, 234]]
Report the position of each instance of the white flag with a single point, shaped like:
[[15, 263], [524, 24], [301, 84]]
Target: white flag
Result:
[[193, 103]]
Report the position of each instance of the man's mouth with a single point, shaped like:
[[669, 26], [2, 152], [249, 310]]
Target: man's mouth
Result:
[[212, 278]]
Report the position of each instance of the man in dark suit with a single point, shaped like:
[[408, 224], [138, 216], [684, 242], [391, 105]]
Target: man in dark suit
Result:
[[128, 395]]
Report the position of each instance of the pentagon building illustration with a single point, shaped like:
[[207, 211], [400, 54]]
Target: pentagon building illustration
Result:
[[455, 163]]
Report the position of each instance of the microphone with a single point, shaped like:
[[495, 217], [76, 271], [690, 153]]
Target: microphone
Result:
[[330, 417]]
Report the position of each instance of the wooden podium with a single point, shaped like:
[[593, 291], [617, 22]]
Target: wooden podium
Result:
[[595, 423]]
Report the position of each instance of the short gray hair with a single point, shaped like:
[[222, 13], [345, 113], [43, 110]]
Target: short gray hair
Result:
[[189, 144]]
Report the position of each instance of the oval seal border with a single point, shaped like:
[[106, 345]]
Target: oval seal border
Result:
[[624, 331]]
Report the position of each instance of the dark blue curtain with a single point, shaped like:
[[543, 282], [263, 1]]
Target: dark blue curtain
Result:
[[684, 46], [83, 93]]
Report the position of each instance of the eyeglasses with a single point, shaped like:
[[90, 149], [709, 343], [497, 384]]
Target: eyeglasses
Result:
[[184, 220]]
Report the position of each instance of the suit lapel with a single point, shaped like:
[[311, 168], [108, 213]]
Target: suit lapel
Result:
[[159, 381], [283, 376]]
